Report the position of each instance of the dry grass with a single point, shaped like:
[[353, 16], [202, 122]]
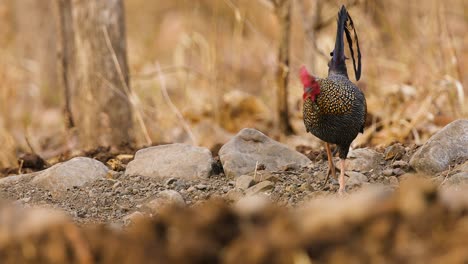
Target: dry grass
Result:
[[414, 68]]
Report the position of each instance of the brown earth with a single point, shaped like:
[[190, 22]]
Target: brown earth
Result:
[[306, 223]]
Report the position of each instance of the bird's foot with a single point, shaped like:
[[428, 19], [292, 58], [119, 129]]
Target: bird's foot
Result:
[[342, 192]]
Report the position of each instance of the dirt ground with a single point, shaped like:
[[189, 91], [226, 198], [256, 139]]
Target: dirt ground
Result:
[[411, 222], [109, 200]]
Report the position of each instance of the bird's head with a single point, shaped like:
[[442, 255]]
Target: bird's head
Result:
[[311, 86]]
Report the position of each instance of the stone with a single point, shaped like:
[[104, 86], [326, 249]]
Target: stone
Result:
[[362, 160], [387, 172], [355, 178], [18, 223], [164, 198], [446, 146], [398, 171], [458, 178], [249, 205], [243, 182], [400, 164], [13, 179], [395, 151], [259, 188], [201, 187], [234, 195], [172, 160], [250, 147], [266, 176], [393, 180], [75, 172], [133, 217]]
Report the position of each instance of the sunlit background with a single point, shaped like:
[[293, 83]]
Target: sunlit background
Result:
[[218, 59]]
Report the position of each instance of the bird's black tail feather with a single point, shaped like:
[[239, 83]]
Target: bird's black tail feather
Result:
[[337, 63]]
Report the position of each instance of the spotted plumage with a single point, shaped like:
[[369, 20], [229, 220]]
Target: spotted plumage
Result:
[[334, 107], [338, 113]]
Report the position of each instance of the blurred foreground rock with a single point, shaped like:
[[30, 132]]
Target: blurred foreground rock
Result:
[[172, 160], [419, 223], [250, 147], [445, 147], [75, 172]]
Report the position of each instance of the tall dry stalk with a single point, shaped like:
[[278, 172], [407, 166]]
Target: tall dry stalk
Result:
[[283, 13]]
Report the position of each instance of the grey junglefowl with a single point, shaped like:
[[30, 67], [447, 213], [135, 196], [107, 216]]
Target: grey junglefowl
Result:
[[334, 108]]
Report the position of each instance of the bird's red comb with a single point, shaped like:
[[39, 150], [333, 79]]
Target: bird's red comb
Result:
[[306, 78]]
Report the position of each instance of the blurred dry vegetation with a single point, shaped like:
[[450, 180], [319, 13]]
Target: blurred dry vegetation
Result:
[[216, 60]]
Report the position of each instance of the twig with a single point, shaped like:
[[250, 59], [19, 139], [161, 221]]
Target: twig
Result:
[[174, 109], [20, 167], [255, 173], [446, 176], [127, 90]]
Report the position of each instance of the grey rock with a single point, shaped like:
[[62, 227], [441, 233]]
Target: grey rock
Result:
[[172, 160], [398, 171], [243, 182], [387, 172], [362, 160], [458, 178], [393, 180], [259, 188], [395, 151], [164, 198], [18, 223], [234, 194], [201, 187], [447, 145], [249, 205], [17, 178], [249, 147], [132, 217], [400, 164], [75, 172], [356, 178]]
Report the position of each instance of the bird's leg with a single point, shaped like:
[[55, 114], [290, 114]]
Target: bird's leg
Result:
[[331, 167], [342, 189]]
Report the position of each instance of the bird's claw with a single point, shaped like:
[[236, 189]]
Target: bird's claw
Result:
[[342, 192]]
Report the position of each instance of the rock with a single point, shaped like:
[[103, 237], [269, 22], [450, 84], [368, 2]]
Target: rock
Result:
[[75, 172], [18, 223], [400, 164], [355, 178], [234, 195], [9, 180], [250, 205], [444, 147], [462, 167], [241, 154], [266, 176], [361, 160], [398, 171], [164, 198], [201, 187], [393, 180], [458, 178], [259, 188], [395, 151], [387, 172], [290, 167], [133, 217], [172, 160], [243, 182]]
